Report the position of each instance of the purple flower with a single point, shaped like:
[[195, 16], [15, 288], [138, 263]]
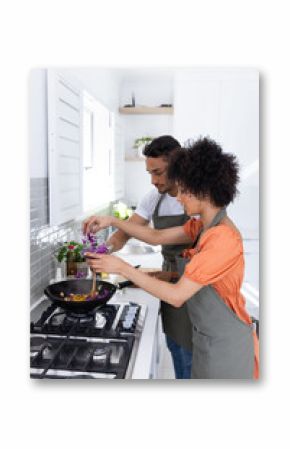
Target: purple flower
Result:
[[102, 249], [91, 238]]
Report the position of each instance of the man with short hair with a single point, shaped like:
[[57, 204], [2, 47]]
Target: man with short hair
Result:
[[161, 206]]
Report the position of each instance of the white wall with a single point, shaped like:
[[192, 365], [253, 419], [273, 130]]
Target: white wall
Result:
[[150, 90], [37, 123], [137, 182]]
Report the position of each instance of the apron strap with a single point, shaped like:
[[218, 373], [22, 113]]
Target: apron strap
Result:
[[156, 210], [217, 218], [215, 221]]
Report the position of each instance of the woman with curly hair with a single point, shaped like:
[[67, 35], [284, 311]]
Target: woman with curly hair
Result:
[[224, 345]]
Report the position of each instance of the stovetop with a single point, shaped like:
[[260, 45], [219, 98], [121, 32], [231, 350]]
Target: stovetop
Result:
[[100, 344]]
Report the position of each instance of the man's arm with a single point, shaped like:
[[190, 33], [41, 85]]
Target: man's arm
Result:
[[119, 238], [174, 236], [167, 236]]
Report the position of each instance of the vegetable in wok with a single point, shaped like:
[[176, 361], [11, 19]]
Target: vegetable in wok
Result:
[[90, 245], [80, 297]]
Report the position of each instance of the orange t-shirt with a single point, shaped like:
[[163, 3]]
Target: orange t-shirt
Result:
[[220, 263]]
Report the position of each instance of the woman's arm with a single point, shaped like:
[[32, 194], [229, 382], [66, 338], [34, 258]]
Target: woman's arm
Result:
[[174, 294], [175, 235], [119, 238]]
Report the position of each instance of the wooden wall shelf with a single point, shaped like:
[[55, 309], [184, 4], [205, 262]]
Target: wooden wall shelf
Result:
[[139, 110], [134, 159]]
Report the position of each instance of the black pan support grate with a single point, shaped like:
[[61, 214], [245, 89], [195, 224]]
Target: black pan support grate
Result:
[[65, 345], [62, 323], [83, 356]]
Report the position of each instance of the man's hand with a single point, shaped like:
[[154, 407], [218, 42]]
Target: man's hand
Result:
[[94, 224]]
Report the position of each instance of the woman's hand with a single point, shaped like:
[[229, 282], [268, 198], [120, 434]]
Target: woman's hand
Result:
[[94, 224], [174, 294], [105, 263]]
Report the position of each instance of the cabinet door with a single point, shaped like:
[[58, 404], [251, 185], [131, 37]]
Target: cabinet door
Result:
[[224, 105], [196, 108], [64, 148], [239, 134]]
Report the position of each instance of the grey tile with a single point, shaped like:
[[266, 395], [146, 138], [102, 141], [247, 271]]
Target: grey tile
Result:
[[44, 239]]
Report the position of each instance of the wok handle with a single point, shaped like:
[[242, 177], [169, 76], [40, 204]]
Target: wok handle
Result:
[[124, 284]]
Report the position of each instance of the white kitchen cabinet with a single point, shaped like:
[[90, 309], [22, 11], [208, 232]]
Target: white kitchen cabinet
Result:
[[251, 252], [224, 105], [156, 352], [84, 168], [64, 148], [196, 104]]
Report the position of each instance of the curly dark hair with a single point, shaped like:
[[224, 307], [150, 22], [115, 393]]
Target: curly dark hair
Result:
[[161, 147], [204, 170]]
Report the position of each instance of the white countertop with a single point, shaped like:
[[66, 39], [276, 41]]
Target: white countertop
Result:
[[151, 260]]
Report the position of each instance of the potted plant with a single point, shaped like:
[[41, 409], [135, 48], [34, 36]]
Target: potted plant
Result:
[[140, 143], [72, 254]]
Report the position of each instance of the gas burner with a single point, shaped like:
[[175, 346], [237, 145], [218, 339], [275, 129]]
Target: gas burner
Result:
[[37, 345], [80, 318], [100, 321], [100, 355], [57, 318]]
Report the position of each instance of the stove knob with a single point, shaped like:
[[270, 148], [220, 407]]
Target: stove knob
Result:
[[132, 312]]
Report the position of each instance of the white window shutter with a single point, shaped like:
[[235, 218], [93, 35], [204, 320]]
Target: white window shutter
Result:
[[64, 148]]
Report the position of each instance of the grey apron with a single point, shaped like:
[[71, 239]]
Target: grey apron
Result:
[[175, 321], [223, 346]]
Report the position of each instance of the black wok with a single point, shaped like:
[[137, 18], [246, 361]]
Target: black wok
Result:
[[82, 286]]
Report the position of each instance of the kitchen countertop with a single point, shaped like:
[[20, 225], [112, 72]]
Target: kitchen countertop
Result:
[[142, 364]]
